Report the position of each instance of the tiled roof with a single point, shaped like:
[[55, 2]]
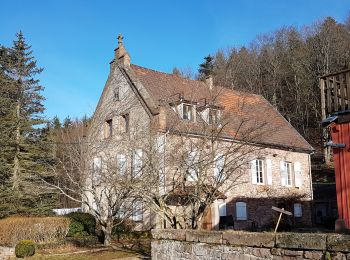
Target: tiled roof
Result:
[[253, 110]]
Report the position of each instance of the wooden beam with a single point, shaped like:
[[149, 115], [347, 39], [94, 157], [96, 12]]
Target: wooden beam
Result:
[[335, 95], [329, 102], [347, 80], [342, 91], [323, 99]]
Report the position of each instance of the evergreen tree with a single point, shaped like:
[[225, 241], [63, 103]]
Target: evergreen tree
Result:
[[29, 139], [56, 123], [67, 122], [207, 67]]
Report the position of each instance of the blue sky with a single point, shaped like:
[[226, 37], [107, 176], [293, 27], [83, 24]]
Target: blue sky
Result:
[[74, 39]]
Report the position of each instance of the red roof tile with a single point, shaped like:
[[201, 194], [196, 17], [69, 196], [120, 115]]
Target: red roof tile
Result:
[[254, 110]]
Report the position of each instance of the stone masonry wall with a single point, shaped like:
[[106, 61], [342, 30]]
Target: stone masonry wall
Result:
[[6, 252], [192, 244]]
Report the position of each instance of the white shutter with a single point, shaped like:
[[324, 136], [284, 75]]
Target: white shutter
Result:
[[205, 115], [180, 110], [121, 164], [137, 162], [283, 172], [298, 174], [269, 171], [219, 166], [253, 171], [222, 209], [241, 211]]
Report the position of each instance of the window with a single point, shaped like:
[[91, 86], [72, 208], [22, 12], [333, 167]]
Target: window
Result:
[[219, 167], [286, 174], [137, 210], [213, 116], [297, 210], [222, 208], [192, 167], [187, 112], [137, 163], [108, 128], [241, 211], [96, 169], [257, 168], [125, 123], [116, 96], [121, 164]]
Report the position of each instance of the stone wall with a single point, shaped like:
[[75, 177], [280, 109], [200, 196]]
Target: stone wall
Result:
[[191, 244], [6, 252]]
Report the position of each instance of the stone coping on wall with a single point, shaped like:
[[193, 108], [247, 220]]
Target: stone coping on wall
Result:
[[295, 241]]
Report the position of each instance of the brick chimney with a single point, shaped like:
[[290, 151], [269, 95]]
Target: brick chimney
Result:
[[121, 55], [209, 81]]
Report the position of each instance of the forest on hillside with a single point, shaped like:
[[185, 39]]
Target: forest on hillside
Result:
[[284, 66]]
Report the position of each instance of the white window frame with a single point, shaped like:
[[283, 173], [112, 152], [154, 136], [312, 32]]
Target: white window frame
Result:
[[189, 113], [298, 210], [121, 164], [192, 168], [219, 166], [137, 210], [241, 210], [286, 174], [258, 171], [96, 169]]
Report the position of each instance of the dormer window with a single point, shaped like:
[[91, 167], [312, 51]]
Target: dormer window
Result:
[[187, 112], [213, 117]]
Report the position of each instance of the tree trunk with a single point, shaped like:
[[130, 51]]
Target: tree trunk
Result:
[[16, 166], [107, 232]]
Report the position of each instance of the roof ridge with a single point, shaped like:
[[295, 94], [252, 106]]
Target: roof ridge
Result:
[[196, 80], [167, 73]]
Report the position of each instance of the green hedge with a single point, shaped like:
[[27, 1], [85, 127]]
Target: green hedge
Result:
[[82, 224], [25, 248]]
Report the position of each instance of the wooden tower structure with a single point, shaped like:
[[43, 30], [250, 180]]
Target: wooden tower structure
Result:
[[335, 103]]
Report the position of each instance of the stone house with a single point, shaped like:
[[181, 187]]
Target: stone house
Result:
[[140, 101]]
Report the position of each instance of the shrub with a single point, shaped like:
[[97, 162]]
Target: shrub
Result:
[[124, 226], [25, 248], [82, 224], [37, 229], [75, 229]]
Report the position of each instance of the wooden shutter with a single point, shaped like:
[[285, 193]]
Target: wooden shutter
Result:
[[241, 211], [269, 171], [298, 175], [283, 172], [253, 171], [298, 210]]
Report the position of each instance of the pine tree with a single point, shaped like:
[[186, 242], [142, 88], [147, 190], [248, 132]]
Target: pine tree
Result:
[[207, 67], [29, 139]]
